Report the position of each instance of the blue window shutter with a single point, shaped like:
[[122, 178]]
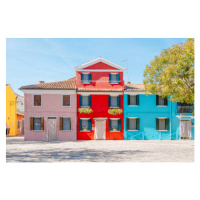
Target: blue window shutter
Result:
[[166, 101], [138, 124], [80, 124], [89, 77], [167, 124], [119, 125], [109, 77], [157, 124], [81, 77], [129, 99], [90, 100], [80, 99], [157, 97], [137, 100], [127, 123], [89, 125], [109, 124], [109, 101], [118, 78], [118, 101]]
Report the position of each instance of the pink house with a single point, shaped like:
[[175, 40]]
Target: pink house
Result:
[[50, 111]]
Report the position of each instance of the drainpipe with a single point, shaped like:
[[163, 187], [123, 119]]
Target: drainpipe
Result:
[[170, 120]]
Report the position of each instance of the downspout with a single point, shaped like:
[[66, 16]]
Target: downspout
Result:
[[170, 120]]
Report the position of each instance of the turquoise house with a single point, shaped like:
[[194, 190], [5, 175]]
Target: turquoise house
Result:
[[155, 118]]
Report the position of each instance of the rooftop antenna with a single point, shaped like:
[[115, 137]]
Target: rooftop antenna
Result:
[[126, 68]]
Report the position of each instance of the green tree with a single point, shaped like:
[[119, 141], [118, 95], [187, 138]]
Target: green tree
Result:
[[172, 73]]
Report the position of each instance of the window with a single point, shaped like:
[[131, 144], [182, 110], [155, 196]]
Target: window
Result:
[[36, 123], [133, 100], [18, 124], [85, 101], [85, 78], [66, 100], [113, 78], [115, 124], [65, 123], [161, 101], [114, 101], [184, 108], [37, 100], [132, 124], [85, 124], [162, 124]]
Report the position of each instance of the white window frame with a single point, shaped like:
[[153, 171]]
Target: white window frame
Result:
[[118, 124], [62, 100], [82, 127], [136, 122], [33, 100], [117, 100], [85, 73], [70, 124], [114, 83], [136, 100], [161, 105], [162, 118], [33, 122], [85, 95]]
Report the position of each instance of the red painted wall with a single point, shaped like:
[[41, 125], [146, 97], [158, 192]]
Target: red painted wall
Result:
[[99, 80], [99, 105]]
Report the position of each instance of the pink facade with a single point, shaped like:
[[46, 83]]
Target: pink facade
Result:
[[51, 107]]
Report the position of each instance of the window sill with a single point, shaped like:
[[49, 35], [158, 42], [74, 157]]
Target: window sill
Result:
[[114, 107], [85, 83], [132, 130], [133, 105], [114, 131], [65, 130], [161, 106], [114, 83], [85, 131], [66, 106], [37, 106], [37, 130], [162, 130]]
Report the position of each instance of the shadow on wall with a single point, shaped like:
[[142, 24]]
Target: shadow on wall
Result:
[[68, 154]]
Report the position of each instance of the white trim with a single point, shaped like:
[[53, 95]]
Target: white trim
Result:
[[162, 130], [110, 93], [162, 117], [132, 117], [80, 67], [70, 123], [62, 101], [34, 91], [33, 100], [98, 70], [100, 118], [86, 73], [133, 130], [161, 106], [33, 122], [84, 118], [115, 118], [133, 105], [133, 93]]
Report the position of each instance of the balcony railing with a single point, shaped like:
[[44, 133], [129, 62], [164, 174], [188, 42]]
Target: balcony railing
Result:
[[185, 109]]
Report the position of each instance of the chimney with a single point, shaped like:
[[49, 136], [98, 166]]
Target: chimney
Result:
[[129, 82], [41, 82]]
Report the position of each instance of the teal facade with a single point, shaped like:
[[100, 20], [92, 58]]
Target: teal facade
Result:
[[147, 111]]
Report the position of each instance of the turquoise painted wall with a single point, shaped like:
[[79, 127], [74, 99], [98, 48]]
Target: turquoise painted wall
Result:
[[147, 111]]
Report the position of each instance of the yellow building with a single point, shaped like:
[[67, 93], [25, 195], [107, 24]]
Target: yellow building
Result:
[[11, 110]]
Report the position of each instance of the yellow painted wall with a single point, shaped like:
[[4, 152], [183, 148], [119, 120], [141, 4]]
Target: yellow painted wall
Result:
[[11, 111]]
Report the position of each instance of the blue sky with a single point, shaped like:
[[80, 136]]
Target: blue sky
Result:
[[30, 60]]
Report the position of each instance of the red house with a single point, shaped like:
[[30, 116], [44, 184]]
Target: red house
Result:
[[100, 87]]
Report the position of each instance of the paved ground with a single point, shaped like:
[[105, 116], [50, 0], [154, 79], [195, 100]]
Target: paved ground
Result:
[[19, 150]]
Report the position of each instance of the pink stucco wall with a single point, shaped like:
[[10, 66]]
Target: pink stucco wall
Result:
[[51, 107]]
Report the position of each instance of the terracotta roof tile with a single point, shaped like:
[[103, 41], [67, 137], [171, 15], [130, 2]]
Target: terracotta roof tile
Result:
[[66, 84], [134, 87]]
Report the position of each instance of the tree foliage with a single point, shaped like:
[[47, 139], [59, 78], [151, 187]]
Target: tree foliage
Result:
[[172, 73]]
